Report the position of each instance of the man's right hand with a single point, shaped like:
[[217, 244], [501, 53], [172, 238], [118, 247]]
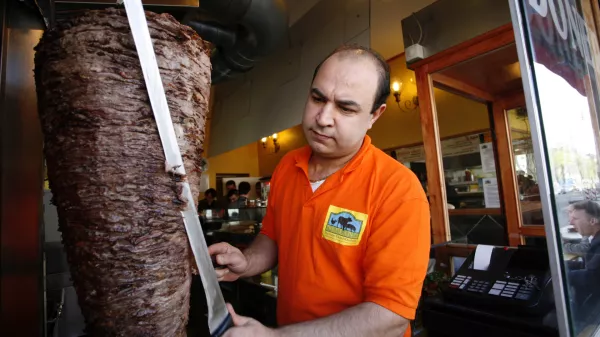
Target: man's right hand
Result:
[[232, 258]]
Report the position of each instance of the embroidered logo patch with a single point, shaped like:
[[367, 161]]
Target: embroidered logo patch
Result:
[[344, 226]]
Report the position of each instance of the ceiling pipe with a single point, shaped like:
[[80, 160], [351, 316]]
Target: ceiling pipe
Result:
[[259, 26], [242, 31]]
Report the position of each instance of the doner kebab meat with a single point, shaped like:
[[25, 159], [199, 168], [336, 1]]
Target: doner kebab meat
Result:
[[118, 208]]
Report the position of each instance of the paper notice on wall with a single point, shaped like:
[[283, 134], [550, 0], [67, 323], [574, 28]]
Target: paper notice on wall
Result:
[[410, 154], [490, 193], [488, 161], [483, 256]]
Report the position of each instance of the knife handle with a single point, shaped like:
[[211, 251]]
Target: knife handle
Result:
[[225, 325]]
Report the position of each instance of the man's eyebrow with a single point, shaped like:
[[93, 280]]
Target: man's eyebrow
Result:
[[340, 102], [317, 92], [347, 103]]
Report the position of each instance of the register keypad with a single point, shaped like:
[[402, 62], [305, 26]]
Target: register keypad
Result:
[[478, 286], [511, 290], [460, 281]]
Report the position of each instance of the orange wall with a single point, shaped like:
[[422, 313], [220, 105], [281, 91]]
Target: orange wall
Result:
[[289, 139], [240, 160]]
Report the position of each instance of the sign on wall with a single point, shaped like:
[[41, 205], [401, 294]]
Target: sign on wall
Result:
[[450, 147]]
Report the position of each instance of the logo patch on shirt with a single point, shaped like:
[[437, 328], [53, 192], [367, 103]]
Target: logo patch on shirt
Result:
[[344, 226]]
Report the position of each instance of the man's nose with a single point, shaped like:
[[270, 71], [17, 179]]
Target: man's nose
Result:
[[325, 116]]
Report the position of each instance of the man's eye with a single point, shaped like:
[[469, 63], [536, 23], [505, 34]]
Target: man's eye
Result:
[[318, 99], [345, 109]]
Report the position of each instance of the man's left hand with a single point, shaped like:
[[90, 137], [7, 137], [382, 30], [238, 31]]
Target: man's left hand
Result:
[[247, 327]]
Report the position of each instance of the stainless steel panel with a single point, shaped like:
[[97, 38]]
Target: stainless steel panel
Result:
[[21, 176]]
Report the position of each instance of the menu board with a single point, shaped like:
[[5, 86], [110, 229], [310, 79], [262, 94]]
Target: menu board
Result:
[[410, 154], [460, 145], [450, 147]]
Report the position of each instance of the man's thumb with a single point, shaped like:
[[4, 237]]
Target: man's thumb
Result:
[[237, 319]]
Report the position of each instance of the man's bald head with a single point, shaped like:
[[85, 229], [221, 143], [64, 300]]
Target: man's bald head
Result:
[[383, 69]]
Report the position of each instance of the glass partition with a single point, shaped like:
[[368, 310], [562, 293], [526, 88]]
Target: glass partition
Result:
[[558, 49], [525, 168]]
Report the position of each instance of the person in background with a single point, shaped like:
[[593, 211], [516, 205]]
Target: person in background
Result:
[[452, 196], [210, 200], [242, 199], [585, 280], [576, 248], [230, 185], [347, 225], [258, 190], [232, 196]]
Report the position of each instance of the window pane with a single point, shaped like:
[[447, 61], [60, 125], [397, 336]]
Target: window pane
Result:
[[563, 44], [525, 169]]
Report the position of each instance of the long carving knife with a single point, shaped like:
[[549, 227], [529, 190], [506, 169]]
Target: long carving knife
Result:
[[219, 319]]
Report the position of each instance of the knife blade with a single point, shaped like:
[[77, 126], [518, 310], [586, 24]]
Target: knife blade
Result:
[[219, 319]]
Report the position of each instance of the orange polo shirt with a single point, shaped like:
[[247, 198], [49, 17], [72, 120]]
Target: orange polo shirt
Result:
[[362, 236]]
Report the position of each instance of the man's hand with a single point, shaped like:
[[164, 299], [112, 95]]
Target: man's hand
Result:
[[247, 327], [230, 257]]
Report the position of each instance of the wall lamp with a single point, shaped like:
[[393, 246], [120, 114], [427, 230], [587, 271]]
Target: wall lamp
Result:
[[276, 145], [411, 104]]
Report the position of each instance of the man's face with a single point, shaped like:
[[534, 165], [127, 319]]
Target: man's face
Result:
[[570, 215], [209, 197], [230, 187], [233, 198], [338, 114], [583, 222]]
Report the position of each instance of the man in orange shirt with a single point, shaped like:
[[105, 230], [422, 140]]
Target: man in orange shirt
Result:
[[346, 223]]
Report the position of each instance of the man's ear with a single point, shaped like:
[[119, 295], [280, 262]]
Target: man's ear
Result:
[[376, 114]]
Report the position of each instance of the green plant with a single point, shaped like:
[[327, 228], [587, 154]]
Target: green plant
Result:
[[433, 282]]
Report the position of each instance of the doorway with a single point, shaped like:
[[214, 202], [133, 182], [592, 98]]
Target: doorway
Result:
[[482, 184]]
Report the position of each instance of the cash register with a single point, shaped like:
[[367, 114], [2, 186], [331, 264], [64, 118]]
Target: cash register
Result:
[[497, 291]]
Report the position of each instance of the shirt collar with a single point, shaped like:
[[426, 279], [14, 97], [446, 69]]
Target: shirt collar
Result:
[[304, 154]]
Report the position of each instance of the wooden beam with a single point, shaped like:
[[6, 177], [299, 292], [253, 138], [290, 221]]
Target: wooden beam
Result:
[[456, 86], [475, 211], [477, 46], [506, 166], [433, 157], [533, 230]]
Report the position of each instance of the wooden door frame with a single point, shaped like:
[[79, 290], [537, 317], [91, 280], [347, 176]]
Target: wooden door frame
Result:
[[510, 190], [482, 44]]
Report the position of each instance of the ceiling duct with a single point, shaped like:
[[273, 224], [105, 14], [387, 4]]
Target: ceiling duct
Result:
[[242, 31]]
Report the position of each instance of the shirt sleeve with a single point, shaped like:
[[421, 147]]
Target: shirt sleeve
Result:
[[397, 254]]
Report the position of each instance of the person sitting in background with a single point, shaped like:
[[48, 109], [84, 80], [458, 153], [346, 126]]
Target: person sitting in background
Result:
[[585, 279], [209, 201], [232, 196], [576, 248]]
